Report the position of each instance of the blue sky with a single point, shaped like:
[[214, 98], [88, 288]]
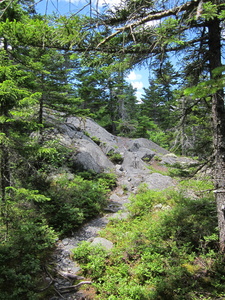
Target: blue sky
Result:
[[139, 78]]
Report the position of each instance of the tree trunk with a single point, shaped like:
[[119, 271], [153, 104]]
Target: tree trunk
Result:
[[5, 172], [112, 108], [5, 182], [182, 135], [218, 119]]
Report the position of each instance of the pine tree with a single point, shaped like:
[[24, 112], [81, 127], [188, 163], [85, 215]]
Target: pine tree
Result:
[[155, 28]]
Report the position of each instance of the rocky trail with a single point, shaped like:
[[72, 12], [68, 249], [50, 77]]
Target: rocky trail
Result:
[[142, 161], [66, 267]]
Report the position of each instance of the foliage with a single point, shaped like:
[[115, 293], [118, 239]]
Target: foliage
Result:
[[26, 240], [115, 157], [167, 249], [73, 200], [92, 257], [106, 179], [180, 170], [96, 140]]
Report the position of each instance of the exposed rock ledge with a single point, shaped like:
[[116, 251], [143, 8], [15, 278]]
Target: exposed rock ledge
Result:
[[91, 145]]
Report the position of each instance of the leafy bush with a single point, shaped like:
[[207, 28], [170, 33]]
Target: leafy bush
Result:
[[106, 179], [166, 250], [115, 157], [92, 258], [73, 201], [182, 170], [96, 140]]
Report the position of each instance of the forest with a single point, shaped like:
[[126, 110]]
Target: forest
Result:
[[77, 65]]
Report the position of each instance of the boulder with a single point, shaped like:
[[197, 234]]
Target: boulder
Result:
[[85, 154], [107, 140], [140, 143], [158, 181], [90, 144], [108, 245], [89, 156]]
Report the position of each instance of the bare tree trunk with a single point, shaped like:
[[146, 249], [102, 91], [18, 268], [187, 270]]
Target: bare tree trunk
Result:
[[112, 108], [5, 172], [218, 119], [182, 137], [5, 176]]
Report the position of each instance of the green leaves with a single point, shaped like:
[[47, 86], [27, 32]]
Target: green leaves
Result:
[[23, 195], [209, 11], [168, 32], [206, 88], [74, 200], [28, 31]]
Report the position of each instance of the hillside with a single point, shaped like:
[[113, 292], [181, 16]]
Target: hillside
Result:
[[159, 225]]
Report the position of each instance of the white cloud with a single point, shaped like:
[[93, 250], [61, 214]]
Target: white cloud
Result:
[[133, 76], [135, 80], [109, 2], [137, 85], [139, 95], [100, 3]]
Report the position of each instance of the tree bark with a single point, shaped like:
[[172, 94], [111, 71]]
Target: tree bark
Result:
[[5, 172], [218, 119]]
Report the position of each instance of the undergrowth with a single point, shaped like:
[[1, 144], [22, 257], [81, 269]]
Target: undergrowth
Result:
[[166, 249], [72, 201], [33, 220]]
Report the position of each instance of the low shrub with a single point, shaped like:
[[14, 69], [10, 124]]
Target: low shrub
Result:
[[115, 157], [167, 249], [73, 201]]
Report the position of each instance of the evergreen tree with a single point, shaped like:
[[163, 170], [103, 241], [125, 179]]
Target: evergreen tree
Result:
[[191, 26], [158, 101]]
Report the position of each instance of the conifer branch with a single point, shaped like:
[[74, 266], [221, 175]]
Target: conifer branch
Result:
[[150, 17]]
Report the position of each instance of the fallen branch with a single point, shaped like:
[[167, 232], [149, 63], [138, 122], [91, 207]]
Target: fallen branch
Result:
[[70, 276], [52, 280], [60, 295], [66, 289]]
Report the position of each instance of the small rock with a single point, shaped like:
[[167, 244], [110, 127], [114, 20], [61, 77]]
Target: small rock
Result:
[[114, 197], [104, 242], [171, 155], [65, 242]]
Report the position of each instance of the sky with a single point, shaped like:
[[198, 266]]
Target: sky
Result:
[[139, 78]]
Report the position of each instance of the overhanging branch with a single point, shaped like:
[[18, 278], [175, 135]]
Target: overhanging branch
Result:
[[151, 17]]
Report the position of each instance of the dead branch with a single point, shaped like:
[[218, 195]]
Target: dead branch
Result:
[[70, 276], [60, 295], [52, 280], [66, 289]]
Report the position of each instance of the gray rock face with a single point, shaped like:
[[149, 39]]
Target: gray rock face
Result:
[[107, 140], [141, 143], [90, 157], [158, 181], [103, 242], [133, 151], [85, 153], [90, 144]]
